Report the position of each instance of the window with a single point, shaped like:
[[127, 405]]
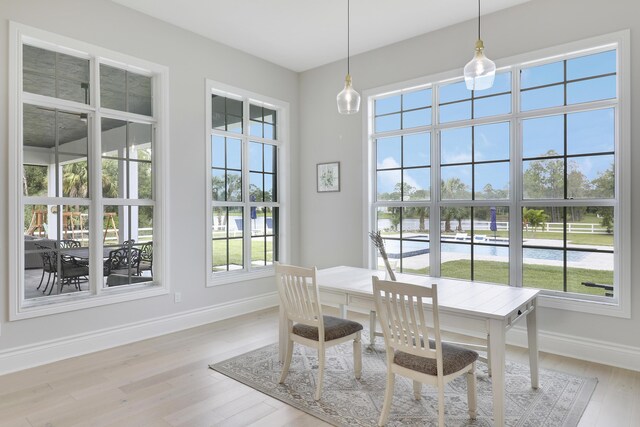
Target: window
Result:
[[246, 152], [88, 137], [528, 170]]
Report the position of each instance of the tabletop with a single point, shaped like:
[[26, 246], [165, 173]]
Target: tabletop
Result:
[[460, 296]]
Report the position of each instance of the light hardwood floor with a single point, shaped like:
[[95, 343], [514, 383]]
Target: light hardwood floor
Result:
[[165, 381]]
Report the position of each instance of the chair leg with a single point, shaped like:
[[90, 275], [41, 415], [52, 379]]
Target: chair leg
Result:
[[357, 356], [417, 389], [472, 392], [320, 372], [372, 328], [388, 397], [47, 285], [440, 402], [41, 280], [287, 362], [55, 275]]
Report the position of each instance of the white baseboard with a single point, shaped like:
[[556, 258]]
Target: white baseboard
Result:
[[606, 353], [20, 358], [16, 359]]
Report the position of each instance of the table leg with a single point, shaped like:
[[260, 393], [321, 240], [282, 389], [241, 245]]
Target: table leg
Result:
[[372, 327], [282, 334], [343, 311], [497, 357], [532, 336]]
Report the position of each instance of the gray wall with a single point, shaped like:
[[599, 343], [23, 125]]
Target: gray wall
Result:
[[191, 59], [331, 227]]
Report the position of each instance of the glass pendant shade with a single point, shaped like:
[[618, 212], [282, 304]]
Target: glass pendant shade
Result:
[[480, 72], [348, 99]]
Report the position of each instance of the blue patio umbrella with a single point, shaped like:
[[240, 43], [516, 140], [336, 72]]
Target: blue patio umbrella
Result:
[[493, 226], [254, 214]]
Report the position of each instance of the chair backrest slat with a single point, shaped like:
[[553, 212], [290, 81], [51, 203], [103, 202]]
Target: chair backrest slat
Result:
[[404, 322], [299, 295]]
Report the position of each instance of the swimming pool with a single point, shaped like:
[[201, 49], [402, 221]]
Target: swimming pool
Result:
[[412, 248]]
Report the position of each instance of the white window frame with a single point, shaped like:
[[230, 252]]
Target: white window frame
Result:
[[620, 304], [20, 308], [282, 133]]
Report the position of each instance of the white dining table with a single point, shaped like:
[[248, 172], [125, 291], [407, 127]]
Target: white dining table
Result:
[[463, 305]]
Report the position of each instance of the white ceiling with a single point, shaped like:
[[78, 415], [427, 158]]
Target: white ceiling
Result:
[[303, 34]]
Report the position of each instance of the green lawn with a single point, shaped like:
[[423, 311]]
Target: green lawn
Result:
[[235, 252], [575, 238], [535, 276]]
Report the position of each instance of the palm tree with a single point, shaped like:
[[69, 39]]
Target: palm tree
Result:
[[75, 180], [534, 217], [454, 188]]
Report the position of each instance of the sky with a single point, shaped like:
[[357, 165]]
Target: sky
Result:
[[587, 132]]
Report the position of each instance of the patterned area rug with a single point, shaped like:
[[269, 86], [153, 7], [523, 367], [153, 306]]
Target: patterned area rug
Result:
[[560, 400]]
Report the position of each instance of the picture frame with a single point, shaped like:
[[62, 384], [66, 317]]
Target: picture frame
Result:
[[328, 177]]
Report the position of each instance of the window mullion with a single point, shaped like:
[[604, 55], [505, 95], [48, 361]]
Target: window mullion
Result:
[[515, 190], [246, 186], [434, 214], [96, 220]]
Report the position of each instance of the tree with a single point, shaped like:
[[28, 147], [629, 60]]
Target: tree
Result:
[[544, 179], [488, 192], [454, 188], [534, 217], [75, 179], [421, 212], [35, 180], [230, 190], [604, 187]]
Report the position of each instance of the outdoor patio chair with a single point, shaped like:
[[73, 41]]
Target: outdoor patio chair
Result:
[[69, 244], [414, 349], [146, 258], [607, 288], [123, 261], [47, 265], [300, 300], [71, 270]]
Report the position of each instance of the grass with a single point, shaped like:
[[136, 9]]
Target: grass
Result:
[[534, 276], [575, 238], [235, 252]]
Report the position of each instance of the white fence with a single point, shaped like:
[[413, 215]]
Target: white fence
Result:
[[551, 227]]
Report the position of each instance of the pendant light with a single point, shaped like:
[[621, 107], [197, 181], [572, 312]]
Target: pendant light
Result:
[[480, 72], [348, 99]]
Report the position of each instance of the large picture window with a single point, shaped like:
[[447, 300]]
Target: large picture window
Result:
[[245, 151], [86, 132], [528, 175]]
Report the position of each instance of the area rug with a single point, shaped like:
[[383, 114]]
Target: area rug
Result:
[[559, 402]]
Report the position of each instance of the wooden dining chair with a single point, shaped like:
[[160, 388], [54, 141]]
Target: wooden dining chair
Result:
[[414, 349], [300, 299]]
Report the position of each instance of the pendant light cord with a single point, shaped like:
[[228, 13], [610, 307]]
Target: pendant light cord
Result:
[[349, 34], [479, 20]]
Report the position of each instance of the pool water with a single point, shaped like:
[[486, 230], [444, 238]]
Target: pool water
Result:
[[413, 248]]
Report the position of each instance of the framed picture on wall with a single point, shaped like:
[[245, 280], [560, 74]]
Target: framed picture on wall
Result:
[[328, 177]]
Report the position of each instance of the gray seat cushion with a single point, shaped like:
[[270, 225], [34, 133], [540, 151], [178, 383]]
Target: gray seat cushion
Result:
[[454, 358], [334, 328]]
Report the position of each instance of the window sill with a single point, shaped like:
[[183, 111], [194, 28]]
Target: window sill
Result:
[[72, 302], [219, 279], [600, 307]]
